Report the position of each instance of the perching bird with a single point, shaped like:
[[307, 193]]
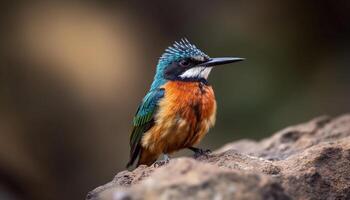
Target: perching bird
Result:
[[180, 106]]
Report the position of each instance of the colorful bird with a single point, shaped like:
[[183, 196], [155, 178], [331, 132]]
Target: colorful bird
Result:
[[179, 108]]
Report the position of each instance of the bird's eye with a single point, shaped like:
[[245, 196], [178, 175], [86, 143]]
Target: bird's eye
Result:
[[184, 63]]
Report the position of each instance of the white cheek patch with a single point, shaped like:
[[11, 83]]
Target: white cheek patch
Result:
[[197, 72]]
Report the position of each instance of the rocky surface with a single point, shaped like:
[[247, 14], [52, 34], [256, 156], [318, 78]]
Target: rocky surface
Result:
[[306, 161]]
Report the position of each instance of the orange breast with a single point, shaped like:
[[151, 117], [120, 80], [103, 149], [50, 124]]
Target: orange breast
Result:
[[185, 115]]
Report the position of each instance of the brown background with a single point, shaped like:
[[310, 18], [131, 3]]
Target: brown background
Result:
[[72, 75]]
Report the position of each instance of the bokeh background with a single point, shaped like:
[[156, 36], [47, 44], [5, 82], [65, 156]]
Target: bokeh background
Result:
[[73, 74]]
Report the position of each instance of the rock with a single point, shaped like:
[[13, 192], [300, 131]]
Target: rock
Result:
[[306, 161]]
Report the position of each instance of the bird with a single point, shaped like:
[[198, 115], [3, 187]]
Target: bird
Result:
[[179, 108]]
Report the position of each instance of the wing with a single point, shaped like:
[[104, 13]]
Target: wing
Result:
[[143, 121]]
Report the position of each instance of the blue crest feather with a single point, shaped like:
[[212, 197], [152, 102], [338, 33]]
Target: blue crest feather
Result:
[[179, 50]]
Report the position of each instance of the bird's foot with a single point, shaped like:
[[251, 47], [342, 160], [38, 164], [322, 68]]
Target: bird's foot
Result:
[[200, 152], [162, 162]]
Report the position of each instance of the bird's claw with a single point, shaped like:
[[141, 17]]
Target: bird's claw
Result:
[[202, 152], [162, 162]]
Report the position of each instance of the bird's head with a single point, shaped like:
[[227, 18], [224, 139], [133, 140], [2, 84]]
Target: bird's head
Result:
[[183, 61]]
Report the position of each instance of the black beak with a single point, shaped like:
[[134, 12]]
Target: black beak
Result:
[[220, 61]]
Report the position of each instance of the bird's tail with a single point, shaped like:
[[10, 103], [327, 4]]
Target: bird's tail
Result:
[[134, 154]]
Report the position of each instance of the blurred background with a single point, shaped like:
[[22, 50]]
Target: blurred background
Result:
[[73, 74]]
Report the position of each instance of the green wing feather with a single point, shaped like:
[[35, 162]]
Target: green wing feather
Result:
[[143, 121]]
